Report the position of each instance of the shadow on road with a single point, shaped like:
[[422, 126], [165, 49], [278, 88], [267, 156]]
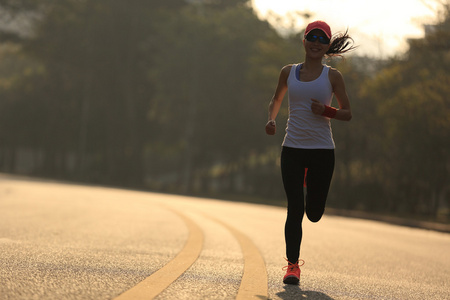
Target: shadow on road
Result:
[[295, 292]]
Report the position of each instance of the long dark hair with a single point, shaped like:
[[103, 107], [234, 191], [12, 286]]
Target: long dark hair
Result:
[[340, 43]]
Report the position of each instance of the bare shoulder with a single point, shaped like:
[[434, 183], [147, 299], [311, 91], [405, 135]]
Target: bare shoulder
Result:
[[286, 69], [335, 76], [284, 74]]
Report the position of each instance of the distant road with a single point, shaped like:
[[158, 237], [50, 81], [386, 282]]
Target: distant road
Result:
[[63, 241]]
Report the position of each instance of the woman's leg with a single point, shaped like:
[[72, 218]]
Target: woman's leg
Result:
[[293, 172], [318, 179]]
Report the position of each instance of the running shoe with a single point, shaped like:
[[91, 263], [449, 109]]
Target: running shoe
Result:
[[293, 272]]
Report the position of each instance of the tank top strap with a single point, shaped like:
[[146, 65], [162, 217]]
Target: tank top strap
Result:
[[297, 71]]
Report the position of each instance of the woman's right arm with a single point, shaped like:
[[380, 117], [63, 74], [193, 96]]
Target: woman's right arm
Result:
[[277, 99]]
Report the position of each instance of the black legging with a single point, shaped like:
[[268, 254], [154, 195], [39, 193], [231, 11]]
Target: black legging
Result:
[[320, 164]]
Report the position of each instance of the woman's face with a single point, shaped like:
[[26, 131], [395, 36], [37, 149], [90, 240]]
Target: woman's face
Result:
[[316, 49]]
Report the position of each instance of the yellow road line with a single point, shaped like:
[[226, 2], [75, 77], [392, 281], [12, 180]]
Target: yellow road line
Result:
[[254, 279], [161, 279]]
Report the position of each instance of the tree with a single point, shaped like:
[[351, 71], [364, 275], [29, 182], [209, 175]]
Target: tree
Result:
[[413, 107], [217, 104], [91, 87]]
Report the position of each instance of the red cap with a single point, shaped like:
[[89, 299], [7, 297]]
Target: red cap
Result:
[[319, 25]]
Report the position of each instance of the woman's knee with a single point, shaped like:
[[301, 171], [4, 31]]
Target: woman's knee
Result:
[[314, 217], [314, 213]]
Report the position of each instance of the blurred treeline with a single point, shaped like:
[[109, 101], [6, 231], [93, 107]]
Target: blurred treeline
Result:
[[172, 96]]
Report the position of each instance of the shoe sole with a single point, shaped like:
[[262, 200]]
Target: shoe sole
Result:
[[291, 280]]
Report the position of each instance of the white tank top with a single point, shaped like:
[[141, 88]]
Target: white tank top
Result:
[[305, 129]]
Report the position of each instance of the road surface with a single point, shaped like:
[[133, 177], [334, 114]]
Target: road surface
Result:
[[63, 241]]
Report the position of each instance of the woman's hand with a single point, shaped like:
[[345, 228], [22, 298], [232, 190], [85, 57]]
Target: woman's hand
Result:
[[271, 127], [317, 107]]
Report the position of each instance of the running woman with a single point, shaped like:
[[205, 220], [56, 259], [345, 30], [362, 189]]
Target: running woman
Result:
[[308, 146]]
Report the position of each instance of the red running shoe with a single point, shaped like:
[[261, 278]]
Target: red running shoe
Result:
[[293, 272]]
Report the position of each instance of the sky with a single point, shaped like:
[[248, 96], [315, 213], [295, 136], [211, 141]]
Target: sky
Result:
[[380, 28]]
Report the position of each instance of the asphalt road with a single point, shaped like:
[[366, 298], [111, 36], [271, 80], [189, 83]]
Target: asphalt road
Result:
[[62, 241]]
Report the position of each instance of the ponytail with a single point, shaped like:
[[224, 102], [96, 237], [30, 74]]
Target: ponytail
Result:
[[340, 43]]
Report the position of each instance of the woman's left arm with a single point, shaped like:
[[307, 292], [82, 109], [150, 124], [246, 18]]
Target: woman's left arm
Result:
[[344, 113]]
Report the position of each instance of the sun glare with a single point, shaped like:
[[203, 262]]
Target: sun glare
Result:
[[379, 27]]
